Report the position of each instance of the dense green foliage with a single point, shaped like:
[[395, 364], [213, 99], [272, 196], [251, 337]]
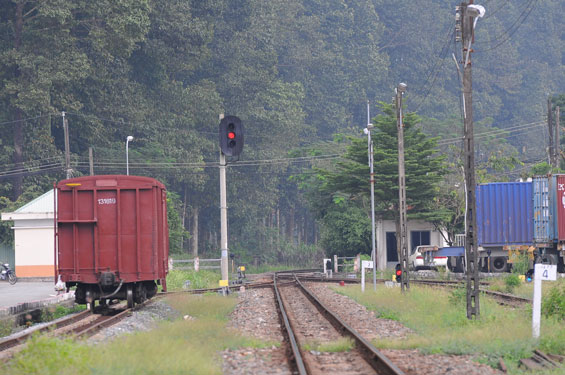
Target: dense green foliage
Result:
[[297, 73], [341, 194]]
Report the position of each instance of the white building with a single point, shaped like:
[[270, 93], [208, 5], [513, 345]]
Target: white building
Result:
[[34, 237], [418, 233]]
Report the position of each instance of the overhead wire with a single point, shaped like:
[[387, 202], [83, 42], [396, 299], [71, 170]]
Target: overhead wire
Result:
[[512, 29], [437, 67], [25, 119], [493, 132]]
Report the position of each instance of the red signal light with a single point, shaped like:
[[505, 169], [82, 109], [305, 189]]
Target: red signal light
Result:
[[398, 272], [231, 135]]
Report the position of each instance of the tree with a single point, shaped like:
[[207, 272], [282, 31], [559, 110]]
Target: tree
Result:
[[346, 185]]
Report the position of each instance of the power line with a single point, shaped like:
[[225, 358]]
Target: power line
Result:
[[25, 119], [509, 32], [437, 67], [493, 132]]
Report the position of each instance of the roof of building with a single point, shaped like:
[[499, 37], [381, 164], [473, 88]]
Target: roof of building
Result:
[[41, 204], [40, 208]]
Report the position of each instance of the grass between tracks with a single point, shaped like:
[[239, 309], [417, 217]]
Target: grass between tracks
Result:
[[174, 347], [439, 321]]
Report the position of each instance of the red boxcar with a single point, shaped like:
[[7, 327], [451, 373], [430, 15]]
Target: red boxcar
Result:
[[112, 238]]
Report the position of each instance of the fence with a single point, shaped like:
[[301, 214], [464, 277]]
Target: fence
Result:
[[345, 265], [184, 264]]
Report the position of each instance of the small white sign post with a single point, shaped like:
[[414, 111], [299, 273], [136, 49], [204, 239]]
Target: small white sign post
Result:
[[542, 272], [327, 272], [365, 264]]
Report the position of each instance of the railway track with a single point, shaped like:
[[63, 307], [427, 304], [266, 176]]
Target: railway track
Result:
[[502, 298], [86, 324], [305, 318], [82, 324]]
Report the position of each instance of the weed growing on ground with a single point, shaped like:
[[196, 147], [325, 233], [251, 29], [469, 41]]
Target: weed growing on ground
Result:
[[43, 355], [181, 346], [176, 279], [438, 319], [554, 302], [58, 311], [512, 281]]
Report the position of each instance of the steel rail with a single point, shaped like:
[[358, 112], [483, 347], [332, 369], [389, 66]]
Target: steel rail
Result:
[[268, 284], [102, 322], [10, 342], [296, 356], [376, 359]]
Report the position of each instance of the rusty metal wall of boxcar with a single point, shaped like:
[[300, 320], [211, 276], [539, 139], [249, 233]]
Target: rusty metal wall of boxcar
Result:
[[112, 223]]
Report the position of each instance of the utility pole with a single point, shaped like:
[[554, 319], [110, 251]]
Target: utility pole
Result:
[[557, 143], [402, 240], [223, 218], [67, 151], [91, 161], [372, 181], [469, 14], [551, 150]]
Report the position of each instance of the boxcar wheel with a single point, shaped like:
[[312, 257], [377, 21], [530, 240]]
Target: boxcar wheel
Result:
[[498, 264], [129, 293]]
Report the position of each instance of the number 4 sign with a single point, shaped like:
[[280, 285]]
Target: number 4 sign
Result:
[[547, 272]]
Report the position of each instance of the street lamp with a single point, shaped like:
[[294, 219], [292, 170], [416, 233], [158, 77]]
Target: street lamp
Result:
[[474, 11], [128, 140], [367, 131]]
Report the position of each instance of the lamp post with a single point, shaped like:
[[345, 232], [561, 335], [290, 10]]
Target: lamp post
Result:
[[367, 131], [128, 140]]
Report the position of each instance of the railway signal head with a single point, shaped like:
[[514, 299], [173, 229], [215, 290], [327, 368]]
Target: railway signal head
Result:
[[231, 136], [398, 271]]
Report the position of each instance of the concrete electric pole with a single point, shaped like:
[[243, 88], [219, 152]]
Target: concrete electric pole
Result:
[[231, 144], [223, 220], [403, 239], [557, 143], [468, 16], [367, 131], [67, 148], [551, 150]]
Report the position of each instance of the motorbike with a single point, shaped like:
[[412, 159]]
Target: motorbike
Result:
[[8, 274]]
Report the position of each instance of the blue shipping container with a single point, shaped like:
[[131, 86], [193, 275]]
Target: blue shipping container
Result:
[[545, 213], [504, 214]]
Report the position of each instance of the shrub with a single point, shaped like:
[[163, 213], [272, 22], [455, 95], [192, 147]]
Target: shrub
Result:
[[520, 263], [458, 296], [554, 303], [511, 281]]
